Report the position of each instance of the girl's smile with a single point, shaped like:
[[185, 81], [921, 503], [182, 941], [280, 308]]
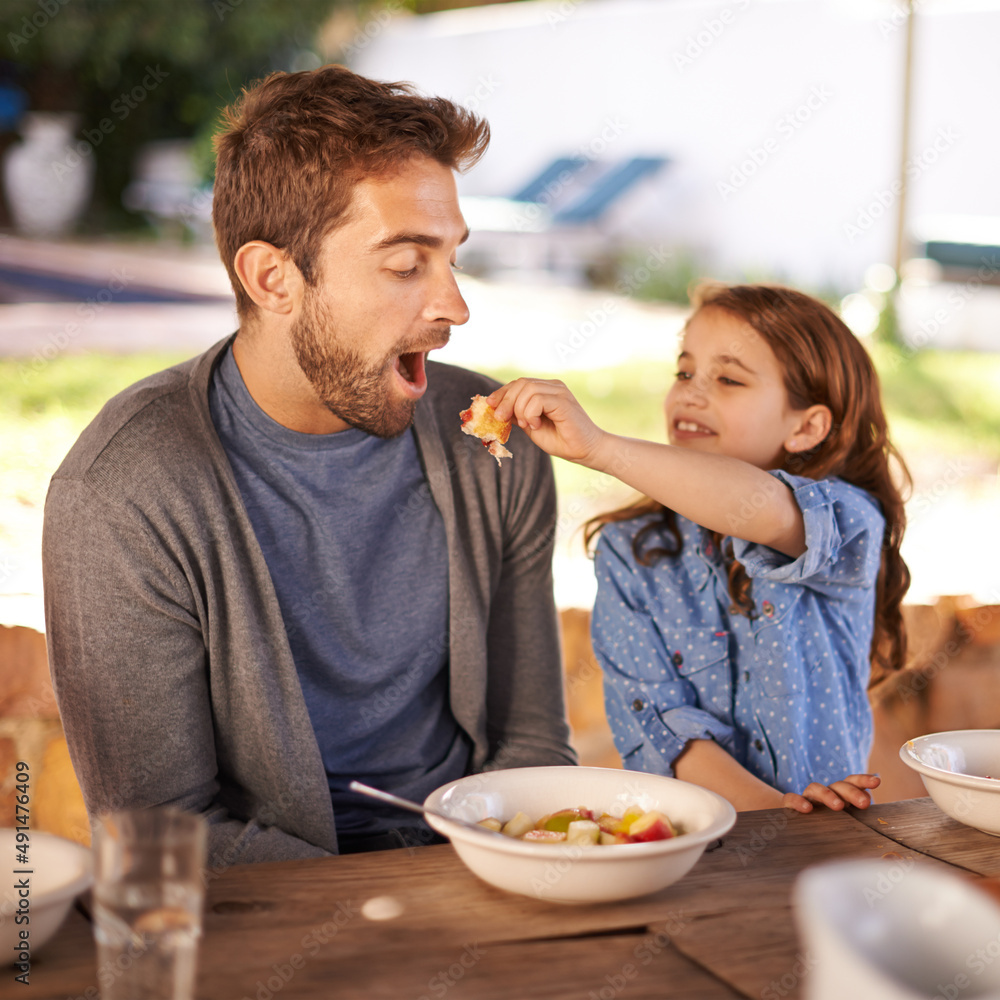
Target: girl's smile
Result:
[[684, 429]]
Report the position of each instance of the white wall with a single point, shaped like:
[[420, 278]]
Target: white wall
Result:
[[713, 84]]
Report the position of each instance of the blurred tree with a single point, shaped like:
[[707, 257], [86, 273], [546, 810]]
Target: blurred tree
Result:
[[140, 70]]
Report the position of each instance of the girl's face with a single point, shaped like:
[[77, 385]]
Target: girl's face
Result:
[[730, 397]]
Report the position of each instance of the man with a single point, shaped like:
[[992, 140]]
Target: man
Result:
[[281, 565]]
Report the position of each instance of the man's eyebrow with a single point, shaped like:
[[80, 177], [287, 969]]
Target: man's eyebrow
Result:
[[419, 239]]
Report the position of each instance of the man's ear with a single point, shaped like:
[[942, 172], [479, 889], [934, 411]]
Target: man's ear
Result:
[[811, 429], [269, 276]]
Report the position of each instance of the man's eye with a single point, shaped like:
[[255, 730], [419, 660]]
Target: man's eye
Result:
[[683, 376], [405, 274], [728, 381]]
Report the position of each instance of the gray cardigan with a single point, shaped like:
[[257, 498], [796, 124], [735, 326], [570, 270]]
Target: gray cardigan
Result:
[[167, 648]]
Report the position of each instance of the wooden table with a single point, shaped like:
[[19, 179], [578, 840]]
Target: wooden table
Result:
[[302, 929]]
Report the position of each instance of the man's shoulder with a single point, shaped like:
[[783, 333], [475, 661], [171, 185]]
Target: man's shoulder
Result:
[[140, 421]]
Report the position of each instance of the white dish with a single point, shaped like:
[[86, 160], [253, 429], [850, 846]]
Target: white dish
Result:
[[880, 930], [961, 772], [566, 873], [59, 871]]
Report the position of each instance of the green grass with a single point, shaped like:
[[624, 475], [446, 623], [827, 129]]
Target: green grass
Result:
[[72, 386], [45, 405], [944, 402]]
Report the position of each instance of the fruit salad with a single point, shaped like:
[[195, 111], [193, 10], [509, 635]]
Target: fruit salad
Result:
[[585, 827]]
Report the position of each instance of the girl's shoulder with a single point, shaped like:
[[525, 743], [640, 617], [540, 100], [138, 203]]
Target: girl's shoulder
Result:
[[617, 531], [618, 536]]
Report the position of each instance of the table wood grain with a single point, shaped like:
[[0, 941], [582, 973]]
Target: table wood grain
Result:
[[931, 832], [417, 924]]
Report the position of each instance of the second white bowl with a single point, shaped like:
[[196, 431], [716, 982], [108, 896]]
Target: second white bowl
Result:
[[961, 772]]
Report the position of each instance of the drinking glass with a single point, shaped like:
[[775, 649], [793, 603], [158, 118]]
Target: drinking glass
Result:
[[148, 894]]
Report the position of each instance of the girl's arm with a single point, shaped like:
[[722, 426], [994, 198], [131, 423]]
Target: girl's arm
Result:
[[705, 763], [719, 493]]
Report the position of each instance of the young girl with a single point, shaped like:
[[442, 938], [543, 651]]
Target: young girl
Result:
[[742, 604]]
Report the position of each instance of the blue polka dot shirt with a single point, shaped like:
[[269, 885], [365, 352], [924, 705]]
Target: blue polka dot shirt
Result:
[[784, 692]]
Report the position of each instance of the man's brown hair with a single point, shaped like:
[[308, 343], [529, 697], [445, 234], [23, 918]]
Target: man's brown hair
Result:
[[293, 146]]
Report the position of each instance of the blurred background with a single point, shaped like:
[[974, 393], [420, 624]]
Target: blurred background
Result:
[[847, 147]]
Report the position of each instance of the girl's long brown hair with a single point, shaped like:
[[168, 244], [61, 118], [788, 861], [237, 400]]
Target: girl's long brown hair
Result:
[[823, 362]]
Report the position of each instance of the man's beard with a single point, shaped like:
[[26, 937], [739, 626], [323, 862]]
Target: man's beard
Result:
[[349, 388]]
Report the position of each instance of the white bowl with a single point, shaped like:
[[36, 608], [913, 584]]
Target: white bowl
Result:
[[565, 873], [60, 871], [875, 930], [956, 769]]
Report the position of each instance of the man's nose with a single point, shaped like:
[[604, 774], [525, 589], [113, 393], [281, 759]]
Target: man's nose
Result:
[[446, 304]]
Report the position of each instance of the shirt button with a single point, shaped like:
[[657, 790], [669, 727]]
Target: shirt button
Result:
[[768, 609], [759, 745], [638, 705], [678, 659]]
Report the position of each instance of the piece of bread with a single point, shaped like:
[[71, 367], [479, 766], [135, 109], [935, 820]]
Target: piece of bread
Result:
[[480, 421]]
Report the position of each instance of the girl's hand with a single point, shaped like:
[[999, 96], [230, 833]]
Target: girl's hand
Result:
[[851, 791], [551, 416]]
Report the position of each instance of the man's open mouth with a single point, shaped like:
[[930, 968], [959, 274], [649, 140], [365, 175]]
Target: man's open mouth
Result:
[[408, 365], [412, 369]]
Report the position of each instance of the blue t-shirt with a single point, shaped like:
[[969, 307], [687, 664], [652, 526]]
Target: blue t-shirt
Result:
[[357, 553], [786, 692]]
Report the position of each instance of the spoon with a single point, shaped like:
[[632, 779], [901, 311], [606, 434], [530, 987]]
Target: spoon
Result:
[[377, 793]]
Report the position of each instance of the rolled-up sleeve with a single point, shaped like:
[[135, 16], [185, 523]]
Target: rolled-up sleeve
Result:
[[652, 709], [844, 529]]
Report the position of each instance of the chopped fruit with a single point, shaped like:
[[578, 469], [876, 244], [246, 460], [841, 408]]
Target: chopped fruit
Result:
[[561, 820], [651, 826], [584, 826], [491, 823], [480, 421], [544, 836], [608, 839], [619, 825], [631, 815], [608, 824], [583, 831], [518, 826]]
